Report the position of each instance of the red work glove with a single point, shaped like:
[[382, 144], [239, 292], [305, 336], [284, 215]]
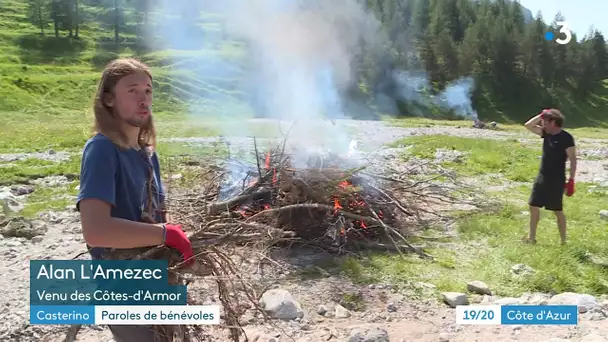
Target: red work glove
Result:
[[569, 188], [176, 238], [542, 114]]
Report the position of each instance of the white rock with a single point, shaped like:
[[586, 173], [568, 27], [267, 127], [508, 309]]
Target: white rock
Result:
[[507, 301], [604, 214], [584, 302], [535, 298], [279, 303], [454, 299], [20, 190], [479, 287], [9, 202], [341, 312], [368, 335], [487, 300], [521, 269]]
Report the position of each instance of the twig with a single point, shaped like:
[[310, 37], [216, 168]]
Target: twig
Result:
[[214, 208], [257, 158], [394, 200], [236, 238], [387, 230]]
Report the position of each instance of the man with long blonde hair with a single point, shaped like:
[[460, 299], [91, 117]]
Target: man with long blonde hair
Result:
[[121, 195]]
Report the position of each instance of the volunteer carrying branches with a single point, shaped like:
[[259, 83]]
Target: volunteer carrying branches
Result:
[[548, 190], [121, 197]]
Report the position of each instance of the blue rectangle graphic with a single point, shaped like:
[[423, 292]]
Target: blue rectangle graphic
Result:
[[62, 314], [539, 314], [103, 282]]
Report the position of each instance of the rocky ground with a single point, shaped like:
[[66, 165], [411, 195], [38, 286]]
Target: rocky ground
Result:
[[318, 310]]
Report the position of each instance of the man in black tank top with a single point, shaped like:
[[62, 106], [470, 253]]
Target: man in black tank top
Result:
[[548, 189]]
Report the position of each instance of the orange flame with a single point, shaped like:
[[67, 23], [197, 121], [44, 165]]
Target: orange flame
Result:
[[267, 164], [344, 184], [337, 204]]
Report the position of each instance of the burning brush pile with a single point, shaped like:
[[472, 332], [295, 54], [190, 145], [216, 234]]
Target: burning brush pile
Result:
[[329, 206], [328, 203]]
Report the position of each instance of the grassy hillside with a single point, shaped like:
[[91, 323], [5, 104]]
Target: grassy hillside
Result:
[[47, 83]]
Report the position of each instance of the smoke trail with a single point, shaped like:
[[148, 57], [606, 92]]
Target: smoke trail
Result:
[[295, 67], [415, 87], [305, 50], [457, 96]]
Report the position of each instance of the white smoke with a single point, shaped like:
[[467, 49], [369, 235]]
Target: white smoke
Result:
[[415, 86], [303, 53]]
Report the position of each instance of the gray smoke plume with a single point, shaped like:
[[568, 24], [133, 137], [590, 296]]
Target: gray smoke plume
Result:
[[415, 87], [291, 60], [295, 66]]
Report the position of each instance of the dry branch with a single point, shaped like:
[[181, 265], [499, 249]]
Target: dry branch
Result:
[[215, 208]]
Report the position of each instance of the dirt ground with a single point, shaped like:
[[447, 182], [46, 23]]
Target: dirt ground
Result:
[[403, 317]]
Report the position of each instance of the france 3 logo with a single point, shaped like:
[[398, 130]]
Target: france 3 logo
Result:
[[563, 30]]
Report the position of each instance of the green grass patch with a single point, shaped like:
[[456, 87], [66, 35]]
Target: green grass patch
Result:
[[490, 244], [21, 171], [45, 198], [483, 156]]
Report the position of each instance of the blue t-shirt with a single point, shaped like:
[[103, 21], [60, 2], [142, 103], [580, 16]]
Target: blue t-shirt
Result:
[[120, 177]]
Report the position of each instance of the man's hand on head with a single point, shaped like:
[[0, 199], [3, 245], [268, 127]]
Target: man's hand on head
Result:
[[534, 125]]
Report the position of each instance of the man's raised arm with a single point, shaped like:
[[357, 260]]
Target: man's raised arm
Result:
[[533, 125]]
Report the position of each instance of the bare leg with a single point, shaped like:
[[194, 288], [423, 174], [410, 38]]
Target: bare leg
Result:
[[534, 217], [561, 224]]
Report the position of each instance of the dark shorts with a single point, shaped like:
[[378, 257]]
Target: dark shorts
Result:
[[547, 193]]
